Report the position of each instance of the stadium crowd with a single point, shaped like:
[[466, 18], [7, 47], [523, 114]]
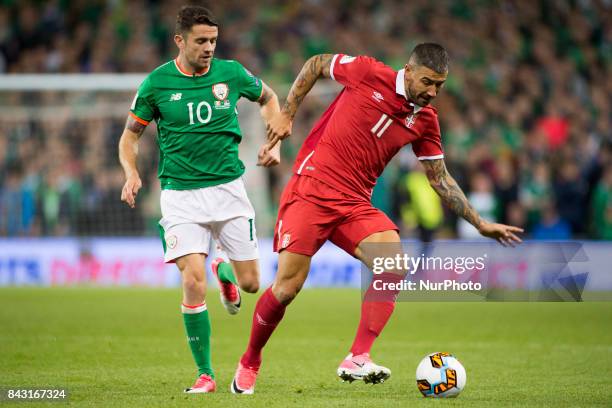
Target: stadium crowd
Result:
[[525, 113]]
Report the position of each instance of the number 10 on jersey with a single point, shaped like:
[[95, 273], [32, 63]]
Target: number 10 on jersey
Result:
[[198, 112]]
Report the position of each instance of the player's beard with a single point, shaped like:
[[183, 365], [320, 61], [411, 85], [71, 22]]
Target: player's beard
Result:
[[420, 99], [199, 64]]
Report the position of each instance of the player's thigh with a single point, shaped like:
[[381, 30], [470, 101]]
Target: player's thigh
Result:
[[365, 233], [184, 239], [291, 274], [303, 226], [238, 238]]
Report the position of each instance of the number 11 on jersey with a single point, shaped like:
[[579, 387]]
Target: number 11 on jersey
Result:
[[383, 123]]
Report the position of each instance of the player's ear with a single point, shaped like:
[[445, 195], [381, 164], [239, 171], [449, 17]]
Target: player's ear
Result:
[[179, 41], [408, 70]]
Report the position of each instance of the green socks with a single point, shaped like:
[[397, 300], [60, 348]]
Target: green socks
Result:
[[226, 273], [197, 325]]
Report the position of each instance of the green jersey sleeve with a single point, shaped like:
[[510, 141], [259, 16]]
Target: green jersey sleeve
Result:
[[250, 86], [143, 107]]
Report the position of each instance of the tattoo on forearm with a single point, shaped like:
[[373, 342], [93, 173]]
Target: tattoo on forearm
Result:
[[134, 126], [265, 96], [450, 192], [316, 67]]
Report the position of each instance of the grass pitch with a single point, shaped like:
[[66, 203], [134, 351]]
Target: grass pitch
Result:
[[127, 348]]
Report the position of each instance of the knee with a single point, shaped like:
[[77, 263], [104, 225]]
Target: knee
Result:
[[249, 285], [193, 285]]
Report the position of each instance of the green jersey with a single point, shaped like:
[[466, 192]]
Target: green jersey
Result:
[[197, 121]]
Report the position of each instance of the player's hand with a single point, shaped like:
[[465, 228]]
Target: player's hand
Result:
[[278, 128], [504, 234], [268, 157], [130, 190]]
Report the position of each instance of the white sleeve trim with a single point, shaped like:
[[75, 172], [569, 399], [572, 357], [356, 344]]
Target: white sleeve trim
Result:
[[331, 67], [439, 156]]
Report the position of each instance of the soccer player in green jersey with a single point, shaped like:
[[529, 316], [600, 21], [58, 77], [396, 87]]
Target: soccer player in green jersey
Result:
[[193, 101]]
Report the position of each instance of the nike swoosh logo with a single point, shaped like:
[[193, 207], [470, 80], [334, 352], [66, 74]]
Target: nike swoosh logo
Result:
[[357, 364], [235, 387]]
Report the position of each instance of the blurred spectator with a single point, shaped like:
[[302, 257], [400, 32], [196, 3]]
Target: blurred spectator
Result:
[[570, 195], [421, 207], [483, 200], [602, 206], [16, 205], [535, 191], [554, 126], [551, 226]]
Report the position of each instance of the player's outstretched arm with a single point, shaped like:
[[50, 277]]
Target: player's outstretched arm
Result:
[[452, 195], [269, 108], [316, 67], [128, 151]]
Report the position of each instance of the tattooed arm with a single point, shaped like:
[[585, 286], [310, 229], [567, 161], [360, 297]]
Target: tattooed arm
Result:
[[452, 195], [128, 151], [269, 109], [316, 67]]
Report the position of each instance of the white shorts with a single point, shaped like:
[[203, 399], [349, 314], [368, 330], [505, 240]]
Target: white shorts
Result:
[[191, 218]]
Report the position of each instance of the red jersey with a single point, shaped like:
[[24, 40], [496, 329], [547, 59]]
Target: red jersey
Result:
[[370, 120]]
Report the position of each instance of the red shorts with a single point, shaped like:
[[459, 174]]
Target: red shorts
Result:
[[311, 212]]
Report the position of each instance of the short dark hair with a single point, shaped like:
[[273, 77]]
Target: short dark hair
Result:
[[430, 55], [189, 16]]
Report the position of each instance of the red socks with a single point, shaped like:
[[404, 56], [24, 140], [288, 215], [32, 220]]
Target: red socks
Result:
[[268, 313], [376, 309]]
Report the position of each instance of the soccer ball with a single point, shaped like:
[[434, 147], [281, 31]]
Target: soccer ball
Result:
[[440, 375]]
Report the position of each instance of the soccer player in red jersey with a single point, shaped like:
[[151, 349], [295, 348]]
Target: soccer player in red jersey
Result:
[[328, 198]]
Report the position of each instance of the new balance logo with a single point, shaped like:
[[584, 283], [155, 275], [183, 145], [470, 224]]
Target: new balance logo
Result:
[[176, 96], [377, 96]]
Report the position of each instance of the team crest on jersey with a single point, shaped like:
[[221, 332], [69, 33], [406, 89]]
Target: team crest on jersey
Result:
[[286, 240], [221, 91], [171, 241], [411, 119]]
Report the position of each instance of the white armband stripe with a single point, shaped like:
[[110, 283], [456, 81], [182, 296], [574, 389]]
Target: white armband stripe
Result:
[[439, 156], [331, 67]]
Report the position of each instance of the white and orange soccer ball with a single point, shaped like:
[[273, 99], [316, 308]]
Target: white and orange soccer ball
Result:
[[440, 375]]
